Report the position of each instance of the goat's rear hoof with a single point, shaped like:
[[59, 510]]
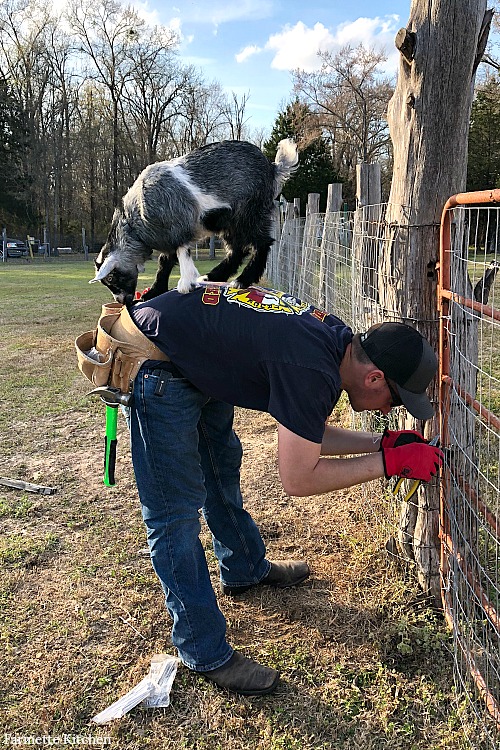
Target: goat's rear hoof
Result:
[[237, 284]]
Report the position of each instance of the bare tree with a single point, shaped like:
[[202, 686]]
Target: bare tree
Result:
[[107, 32], [201, 120], [234, 113], [23, 43], [92, 146], [102, 96], [349, 96], [152, 97]]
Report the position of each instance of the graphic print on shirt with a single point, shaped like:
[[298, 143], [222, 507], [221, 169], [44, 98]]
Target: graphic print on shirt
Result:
[[261, 300], [266, 300], [211, 295]]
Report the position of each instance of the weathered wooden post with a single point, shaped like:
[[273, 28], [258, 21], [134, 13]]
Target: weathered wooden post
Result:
[[368, 185], [365, 246], [428, 116], [308, 277], [297, 245], [329, 245]]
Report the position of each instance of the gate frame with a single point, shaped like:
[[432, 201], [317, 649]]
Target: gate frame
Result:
[[444, 299]]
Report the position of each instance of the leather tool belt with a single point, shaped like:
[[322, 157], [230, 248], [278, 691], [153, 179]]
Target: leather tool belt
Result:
[[114, 352]]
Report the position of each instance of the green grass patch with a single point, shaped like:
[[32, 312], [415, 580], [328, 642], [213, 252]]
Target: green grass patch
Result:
[[22, 551], [16, 507]]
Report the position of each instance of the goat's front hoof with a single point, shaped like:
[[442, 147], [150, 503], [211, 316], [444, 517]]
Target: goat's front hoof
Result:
[[184, 287]]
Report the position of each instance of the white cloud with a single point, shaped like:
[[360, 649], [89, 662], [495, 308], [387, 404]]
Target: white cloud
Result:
[[297, 46], [175, 24], [368, 31], [148, 14], [247, 52]]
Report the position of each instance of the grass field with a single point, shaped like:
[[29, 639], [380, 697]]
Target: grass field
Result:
[[365, 662]]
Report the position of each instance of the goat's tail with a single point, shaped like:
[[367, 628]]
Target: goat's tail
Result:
[[287, 161]]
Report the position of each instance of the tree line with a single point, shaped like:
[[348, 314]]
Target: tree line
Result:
[[90, 97], [87, 100]]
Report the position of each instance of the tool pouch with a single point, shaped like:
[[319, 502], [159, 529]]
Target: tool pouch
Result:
[[115, 351]]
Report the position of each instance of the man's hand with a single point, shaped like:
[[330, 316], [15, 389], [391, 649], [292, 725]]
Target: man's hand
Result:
[[396, 438], [416, 460]]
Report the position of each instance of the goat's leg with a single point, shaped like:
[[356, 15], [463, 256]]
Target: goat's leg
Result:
[[160, 284], [188, 270], [228, 267], [254, 270]]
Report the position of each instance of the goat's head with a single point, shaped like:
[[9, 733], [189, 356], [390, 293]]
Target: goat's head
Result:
[[120, 261]]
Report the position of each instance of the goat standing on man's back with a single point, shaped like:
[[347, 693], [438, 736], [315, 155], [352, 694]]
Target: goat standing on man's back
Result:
[[227, 189]]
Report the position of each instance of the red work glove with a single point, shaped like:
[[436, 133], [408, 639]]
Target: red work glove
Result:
[[395, 438], [412, 461]]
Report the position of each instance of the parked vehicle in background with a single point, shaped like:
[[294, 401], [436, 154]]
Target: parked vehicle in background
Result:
[[16, 248]]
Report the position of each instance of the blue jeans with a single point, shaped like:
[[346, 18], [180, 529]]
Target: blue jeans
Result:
[[187, 458]]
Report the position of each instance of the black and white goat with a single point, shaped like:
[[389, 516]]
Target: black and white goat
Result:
[[227, 189]]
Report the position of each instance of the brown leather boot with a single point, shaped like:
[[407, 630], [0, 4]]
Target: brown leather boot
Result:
[[244, 676], [283, 575]]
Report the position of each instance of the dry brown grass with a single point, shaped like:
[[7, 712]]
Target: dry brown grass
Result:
[[364, 662]]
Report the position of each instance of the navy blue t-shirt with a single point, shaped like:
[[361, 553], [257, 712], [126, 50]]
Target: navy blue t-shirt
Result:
[[256, 348]]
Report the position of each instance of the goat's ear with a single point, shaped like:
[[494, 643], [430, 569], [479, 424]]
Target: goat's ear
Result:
[[141, 267], [108, 265]]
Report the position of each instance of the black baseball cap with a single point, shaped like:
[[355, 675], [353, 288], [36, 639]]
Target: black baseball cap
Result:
[[407, 359]]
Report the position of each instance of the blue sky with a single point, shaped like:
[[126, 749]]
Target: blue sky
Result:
[[252, 45]]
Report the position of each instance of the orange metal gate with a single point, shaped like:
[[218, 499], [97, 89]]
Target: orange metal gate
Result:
[[470, 429]]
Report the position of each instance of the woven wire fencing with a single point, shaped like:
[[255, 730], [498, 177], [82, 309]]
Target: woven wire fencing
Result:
[[471, 428], [333, 261], [330, 260]]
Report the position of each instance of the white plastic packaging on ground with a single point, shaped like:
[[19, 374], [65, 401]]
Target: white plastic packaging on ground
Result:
[[153, 690]]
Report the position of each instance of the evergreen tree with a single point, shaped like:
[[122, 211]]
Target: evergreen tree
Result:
[[316, 170], [483, 169], [13, 149]]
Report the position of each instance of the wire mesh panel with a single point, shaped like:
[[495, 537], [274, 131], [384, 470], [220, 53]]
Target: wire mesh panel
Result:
[[336, 262], [470, 418], [284, 263], [333, 261]]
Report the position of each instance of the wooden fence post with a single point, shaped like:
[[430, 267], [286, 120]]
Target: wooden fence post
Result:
[[368, 185], [367, 228], [297, 245], [309, 250], [329, 240]]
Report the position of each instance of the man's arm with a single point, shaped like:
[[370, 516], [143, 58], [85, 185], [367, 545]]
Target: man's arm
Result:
[[303, 470], [340, 442]]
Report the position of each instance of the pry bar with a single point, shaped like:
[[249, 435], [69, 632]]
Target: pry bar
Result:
[[19, 485]]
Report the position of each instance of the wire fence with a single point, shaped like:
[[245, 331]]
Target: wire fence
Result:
[[341, 262], [470, 427]]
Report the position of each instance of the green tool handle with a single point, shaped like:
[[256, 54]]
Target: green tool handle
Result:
[[110, 445]]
